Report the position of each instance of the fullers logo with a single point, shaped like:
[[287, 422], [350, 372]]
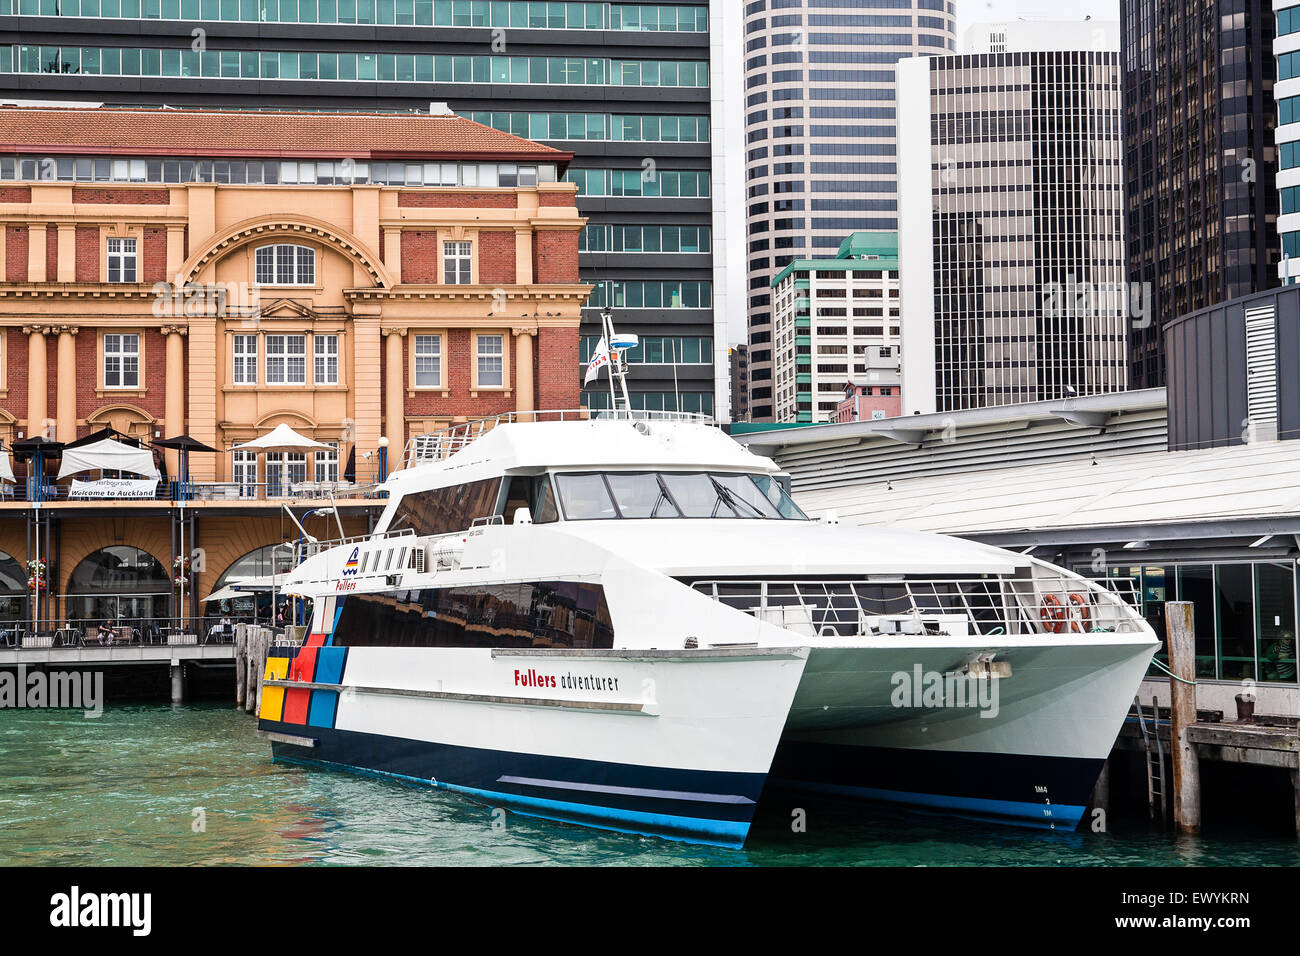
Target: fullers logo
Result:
[[352, 566]]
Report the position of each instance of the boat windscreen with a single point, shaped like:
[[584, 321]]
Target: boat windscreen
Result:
[[593, 496]]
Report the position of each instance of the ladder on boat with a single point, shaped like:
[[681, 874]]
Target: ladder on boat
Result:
[[1155, 759]]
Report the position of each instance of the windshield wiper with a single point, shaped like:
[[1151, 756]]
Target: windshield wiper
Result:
[[732, 499]]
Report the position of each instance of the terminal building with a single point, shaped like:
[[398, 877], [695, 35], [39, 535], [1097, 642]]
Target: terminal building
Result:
[[350, 279], [633, 90], [1189, 491]]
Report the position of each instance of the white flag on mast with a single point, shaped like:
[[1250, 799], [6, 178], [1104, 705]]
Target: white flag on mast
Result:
[[599, 359]]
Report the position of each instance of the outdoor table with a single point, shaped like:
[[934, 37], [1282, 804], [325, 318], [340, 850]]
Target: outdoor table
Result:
[[68, 637]]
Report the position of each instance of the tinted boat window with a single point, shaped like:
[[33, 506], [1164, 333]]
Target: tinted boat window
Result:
[[697, 496], [641, 496], [445, 510], [529, 614], [776, 494], [745, 497], [584, 497], [544, 496]]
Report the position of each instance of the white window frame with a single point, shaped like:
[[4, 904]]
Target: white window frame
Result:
[[325, 464], [498, 354], [434, 356], [118, 359], [122, 257], [243, 472], [243, 352], [285, 264], [325, 364], [279, 355], [457, 262]]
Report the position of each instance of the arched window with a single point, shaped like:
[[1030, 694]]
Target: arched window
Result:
[[265, 562], [119, 583], [285, 264]]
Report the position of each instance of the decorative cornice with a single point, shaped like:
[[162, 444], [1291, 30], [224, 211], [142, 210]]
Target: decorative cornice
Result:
[[66, 290], [480, 293]]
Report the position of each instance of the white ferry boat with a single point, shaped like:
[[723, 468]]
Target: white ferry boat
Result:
[[623, 620]]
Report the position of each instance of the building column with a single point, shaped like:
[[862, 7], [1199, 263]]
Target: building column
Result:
[[66, 385], [67, 271], [394, 400], [37, 411], [174, 405], [525, 400], [175, 254], [524, 256], [36, 251]]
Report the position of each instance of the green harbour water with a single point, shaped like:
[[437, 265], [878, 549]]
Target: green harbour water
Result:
[[122, 790]]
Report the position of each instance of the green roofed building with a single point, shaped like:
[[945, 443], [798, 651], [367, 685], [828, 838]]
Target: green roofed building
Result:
[[826, 310]]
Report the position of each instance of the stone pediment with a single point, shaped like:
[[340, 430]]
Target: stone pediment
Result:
[[288, 309]]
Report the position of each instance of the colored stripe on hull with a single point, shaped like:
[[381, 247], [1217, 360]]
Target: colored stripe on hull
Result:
[[1044, 792], [695, 805]]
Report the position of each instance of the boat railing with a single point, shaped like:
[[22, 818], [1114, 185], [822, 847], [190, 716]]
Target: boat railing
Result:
[[952, 606], [307, 549], [445, 442]]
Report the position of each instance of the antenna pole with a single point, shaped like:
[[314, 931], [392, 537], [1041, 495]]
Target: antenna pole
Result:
[[616, 367]]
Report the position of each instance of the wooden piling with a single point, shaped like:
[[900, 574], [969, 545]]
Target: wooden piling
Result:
[[259, 664], [241, 663], [1180, 628]]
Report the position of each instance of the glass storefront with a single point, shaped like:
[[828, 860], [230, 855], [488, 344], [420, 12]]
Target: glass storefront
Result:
[[1244, 613], [272, 560], [119, 583]]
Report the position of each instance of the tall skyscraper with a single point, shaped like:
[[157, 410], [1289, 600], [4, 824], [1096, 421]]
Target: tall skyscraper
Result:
[[1011, 243], [1286, 49], [633, 89], [821, 131], [1199, 154]]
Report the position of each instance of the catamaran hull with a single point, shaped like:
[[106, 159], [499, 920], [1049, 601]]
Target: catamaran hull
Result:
[[1024, 748], [644, 742]]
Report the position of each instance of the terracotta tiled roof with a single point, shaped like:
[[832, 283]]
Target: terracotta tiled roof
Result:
[[213, 132]]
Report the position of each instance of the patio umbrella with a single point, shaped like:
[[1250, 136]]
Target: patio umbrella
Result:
[[282, 439], [37, 449], [100, 435], [107, 455], [184, 444], [6, 468]]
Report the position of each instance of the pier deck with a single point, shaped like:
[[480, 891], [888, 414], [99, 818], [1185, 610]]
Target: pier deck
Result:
[[1273, 744], [134, 654]]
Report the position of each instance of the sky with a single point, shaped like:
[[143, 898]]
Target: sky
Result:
[[977, 11]]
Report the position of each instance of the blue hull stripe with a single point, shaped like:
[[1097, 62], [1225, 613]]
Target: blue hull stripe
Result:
[[629, 791], [1053, 816], [1020, 789], [623, 797]]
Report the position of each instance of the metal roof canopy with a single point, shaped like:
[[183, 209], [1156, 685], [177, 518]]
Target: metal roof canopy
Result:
[[1245, 492], [1087, 411]]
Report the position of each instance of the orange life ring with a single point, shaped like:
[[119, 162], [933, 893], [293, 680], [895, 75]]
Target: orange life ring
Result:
[[1084, 607], [1053, 614]]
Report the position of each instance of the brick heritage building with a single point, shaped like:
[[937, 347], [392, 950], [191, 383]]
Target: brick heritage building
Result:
[[360, 278]]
